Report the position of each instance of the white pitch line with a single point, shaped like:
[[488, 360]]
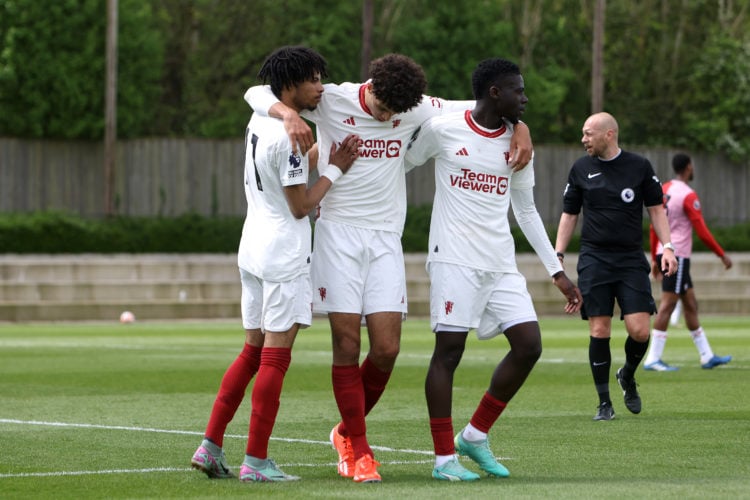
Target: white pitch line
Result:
[[189, 433], [180, 469], [95, 472]]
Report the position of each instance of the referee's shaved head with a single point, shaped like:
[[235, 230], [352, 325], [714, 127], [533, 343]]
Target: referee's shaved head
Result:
[[604, 121]]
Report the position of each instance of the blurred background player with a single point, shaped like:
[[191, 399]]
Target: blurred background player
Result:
[[474, 278], [358, 265], [611, 187], [684, 214], [274, 261]]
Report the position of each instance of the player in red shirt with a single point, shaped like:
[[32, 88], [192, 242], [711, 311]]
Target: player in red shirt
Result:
[[684, 214]]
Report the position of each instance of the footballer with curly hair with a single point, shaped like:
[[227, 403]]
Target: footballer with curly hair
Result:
[[357, 267]]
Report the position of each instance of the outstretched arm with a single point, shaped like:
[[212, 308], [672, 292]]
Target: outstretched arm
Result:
[[691, 206], [527, 216]]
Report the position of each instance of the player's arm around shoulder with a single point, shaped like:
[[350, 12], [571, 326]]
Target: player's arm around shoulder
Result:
[[521, 148], [263, 101], [423, 145]]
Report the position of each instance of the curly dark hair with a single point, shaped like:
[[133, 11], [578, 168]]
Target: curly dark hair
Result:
[[490, 72], [397, 81], [291, 65]]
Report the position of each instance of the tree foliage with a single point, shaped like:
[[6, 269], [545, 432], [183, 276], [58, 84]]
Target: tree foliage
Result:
[[676, 71], [52, 68], [718, 118]]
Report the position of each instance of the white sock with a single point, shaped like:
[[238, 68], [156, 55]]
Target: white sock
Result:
[[443, 459], [656, 347], [701, 343], [255, 462], [472, 434], [212, 447]]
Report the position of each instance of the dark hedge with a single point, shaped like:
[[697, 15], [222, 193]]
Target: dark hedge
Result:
[[57, 233]]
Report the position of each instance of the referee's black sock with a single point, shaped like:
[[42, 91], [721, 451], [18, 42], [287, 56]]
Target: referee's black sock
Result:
[[634, 353], [600, 360]]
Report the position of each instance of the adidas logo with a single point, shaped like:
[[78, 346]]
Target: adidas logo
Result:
[[462, 152], [350, 121]]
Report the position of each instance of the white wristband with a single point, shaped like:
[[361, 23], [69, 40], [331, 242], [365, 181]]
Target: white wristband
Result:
[[333, 173]]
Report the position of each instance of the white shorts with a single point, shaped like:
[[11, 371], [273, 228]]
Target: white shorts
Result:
[[463, 298], [356, 270], [275, 306]]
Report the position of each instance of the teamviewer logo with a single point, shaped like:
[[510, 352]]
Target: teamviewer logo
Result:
[[393, 149]]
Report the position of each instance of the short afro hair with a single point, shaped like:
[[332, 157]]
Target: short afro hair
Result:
[[291, 65], [680, 161], [491, 72], [397, 81]]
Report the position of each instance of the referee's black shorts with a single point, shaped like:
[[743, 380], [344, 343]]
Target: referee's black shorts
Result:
[[604, 277], [680, 281]]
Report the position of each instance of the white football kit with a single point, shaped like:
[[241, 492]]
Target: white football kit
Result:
[[470, 228], [275, 246], [371, 196]]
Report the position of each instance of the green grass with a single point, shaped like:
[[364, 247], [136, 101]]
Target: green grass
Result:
[[113, 411]]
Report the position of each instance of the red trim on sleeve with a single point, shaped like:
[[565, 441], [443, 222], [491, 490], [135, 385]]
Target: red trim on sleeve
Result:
[[692, 208]]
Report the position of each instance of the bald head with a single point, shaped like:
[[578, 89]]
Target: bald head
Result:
[[602, 121], [600, 135]]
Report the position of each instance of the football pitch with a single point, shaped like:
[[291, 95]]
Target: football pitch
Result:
[[116, 411]]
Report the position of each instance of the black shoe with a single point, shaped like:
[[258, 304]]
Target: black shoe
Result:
[[629, 392], [605, 411]]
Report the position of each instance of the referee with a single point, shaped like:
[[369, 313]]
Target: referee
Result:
[[611, 186]]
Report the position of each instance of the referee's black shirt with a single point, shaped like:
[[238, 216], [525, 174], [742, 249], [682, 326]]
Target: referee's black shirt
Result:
[[612, 194]]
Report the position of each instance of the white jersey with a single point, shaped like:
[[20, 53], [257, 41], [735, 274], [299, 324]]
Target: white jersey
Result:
[[473, 179], [372, 194], [275, 246]]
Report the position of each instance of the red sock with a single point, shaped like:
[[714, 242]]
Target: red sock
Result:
[[350, 398], [442, 435], [487, 412], [274, 363], [374, 381], [231, 391]]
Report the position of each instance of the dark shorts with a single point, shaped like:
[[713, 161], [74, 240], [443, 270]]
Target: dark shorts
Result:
[[604, 277], [680, 281]]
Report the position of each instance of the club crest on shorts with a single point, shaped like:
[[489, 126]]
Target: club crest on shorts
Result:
[[448, 307]]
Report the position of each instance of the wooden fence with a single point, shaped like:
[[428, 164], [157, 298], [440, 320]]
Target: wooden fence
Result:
[[176, 176]]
